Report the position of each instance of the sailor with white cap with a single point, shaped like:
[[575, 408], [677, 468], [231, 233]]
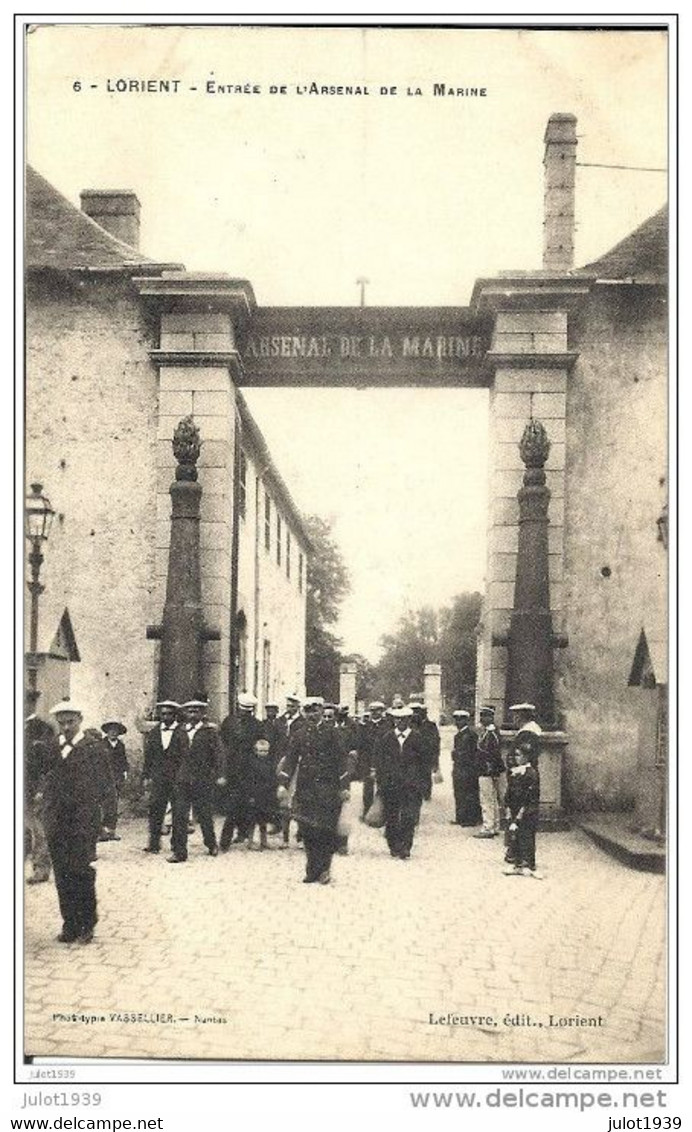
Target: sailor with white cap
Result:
[[322, 780], [72, 819], [523, 792], [271, 711], [198, 771], [291, 717], [247, 702], [490, 768], [288, 724], [527, 738], [164, 749], [465, 771]]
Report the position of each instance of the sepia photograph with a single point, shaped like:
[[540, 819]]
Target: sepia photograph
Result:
[[345, 378]]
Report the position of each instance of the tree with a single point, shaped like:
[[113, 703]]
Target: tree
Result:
[[327, 585], [457, 655], [447, 637], [413, 644]]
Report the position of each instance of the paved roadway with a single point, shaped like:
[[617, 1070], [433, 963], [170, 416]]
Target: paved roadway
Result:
[[354, 970]]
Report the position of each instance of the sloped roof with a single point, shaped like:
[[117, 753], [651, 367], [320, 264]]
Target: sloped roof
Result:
[[651, 656], [61, 236], [642, 256], [56, 636]]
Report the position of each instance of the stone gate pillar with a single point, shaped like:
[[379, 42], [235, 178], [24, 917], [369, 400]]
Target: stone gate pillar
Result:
[[199, 320], [531, 363], [432, 690], [347, 685]]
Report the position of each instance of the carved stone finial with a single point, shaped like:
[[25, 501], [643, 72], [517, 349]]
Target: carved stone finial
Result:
[[186, 449], [534, 445]]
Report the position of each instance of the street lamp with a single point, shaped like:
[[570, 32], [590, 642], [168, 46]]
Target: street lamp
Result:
[[38, 516]]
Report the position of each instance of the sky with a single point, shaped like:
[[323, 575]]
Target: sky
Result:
[[303, 194]]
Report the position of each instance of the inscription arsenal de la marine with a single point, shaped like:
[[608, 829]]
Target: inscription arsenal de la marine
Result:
[[363, 346]]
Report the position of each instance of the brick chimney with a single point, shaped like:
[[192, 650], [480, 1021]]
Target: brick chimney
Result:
[[558, 223], [115, 210]]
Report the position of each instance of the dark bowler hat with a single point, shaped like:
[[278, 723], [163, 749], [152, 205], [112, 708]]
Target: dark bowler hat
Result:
[[122, 729]]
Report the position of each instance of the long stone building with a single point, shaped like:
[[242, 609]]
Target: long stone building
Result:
[[118, 349]]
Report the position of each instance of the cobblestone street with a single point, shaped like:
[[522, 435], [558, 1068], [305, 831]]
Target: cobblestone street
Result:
[[355, 970]]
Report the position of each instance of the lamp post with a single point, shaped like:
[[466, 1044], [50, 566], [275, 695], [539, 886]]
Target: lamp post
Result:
[[38, 516]]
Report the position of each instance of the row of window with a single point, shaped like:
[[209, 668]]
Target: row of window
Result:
[[283, 547]]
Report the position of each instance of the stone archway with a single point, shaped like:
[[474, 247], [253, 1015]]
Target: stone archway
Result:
[[512, 339]]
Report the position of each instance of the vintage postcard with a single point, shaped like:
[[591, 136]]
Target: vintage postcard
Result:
[[346, 460]]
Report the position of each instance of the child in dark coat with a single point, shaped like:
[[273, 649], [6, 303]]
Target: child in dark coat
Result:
[[521, 801], [261, 783]]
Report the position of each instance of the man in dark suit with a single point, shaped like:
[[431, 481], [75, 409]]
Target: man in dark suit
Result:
[[291, 717], [200, 767], [72, 819], [116, 755], [290, 723], [370, 734], [274, 734], [348, 734], [238, 734], [401, 760], [273, 728], [164, 747], [321, 761], [430, 735]]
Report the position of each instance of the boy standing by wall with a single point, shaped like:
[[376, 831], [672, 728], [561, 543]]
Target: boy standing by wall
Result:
[[523, 789]]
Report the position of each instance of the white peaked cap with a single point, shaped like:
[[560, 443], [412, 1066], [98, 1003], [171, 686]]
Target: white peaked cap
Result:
[[66, 706]]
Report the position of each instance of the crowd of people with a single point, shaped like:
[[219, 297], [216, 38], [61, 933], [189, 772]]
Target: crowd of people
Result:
[[263, 774]]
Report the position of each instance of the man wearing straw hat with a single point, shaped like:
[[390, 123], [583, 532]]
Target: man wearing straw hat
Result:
[[72, 819], [490, 768], [401, 761]]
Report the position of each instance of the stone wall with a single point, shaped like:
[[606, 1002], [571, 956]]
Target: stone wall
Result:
[[91, 402], [616, 456]]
